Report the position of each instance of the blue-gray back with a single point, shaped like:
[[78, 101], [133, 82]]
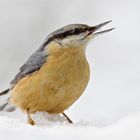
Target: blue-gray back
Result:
[[34, 63]]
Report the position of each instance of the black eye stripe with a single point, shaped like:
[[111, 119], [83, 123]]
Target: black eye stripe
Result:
[[69, 33], [77, 31], [69, 30]]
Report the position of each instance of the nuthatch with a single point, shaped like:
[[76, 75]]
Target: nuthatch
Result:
[[56, 74]]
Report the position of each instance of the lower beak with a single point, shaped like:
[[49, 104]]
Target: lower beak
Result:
[[93, 29]]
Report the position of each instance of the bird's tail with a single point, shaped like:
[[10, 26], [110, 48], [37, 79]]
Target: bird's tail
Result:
[[4, 92], [6, 106]]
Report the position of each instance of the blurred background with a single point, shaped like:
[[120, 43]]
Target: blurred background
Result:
[[114, 87]]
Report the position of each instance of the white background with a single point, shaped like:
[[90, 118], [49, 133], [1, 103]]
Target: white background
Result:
[[114, 87]]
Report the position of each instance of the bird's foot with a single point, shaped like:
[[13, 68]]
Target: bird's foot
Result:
[[31, 122], [68, 119]]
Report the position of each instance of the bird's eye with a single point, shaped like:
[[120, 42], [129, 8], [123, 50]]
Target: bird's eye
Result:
[[77, 31]]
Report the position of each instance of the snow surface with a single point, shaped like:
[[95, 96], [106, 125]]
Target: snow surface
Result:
[[55, 127]]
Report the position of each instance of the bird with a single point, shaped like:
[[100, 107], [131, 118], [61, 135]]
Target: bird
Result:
[[55, 75]]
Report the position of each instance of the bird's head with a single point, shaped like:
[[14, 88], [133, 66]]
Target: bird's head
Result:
[[77, 34]]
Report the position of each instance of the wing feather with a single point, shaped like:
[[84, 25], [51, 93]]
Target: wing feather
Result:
[[34, 63]]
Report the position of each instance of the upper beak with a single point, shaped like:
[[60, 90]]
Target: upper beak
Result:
[[93, 29]]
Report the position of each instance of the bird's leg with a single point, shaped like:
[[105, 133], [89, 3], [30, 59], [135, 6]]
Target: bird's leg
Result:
[[69, 120], [30, 120]]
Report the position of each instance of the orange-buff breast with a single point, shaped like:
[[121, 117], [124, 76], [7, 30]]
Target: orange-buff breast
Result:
[[57, 85]]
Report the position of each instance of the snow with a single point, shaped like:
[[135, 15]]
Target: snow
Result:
[[54, 127]]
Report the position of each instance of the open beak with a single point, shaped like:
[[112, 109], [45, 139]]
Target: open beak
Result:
[[93, 29]]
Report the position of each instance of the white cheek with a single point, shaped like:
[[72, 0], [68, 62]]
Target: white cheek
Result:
[[75, 41], [71, 39], [67, 40]]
